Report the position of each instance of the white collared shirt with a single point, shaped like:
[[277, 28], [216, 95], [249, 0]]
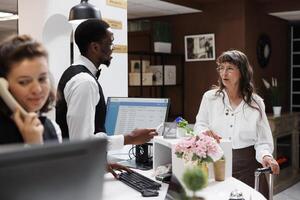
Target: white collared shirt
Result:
[[57, 130], [82, 95], [244, 125]]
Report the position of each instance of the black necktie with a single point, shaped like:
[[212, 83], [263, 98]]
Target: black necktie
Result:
[[98, 73]]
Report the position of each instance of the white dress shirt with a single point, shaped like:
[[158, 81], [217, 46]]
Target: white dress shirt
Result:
[[82, 95], [57, 130], [244, 125]]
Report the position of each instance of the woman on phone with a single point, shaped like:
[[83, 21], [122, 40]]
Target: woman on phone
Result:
[[24, 65]]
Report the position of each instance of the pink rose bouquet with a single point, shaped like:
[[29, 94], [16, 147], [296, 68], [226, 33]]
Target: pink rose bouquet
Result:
[[201, 148]]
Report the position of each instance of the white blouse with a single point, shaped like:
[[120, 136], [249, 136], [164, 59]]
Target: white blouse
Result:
[[244, 126]]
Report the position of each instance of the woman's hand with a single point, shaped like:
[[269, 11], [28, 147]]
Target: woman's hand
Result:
[[111, 167], [30, 127], [268, 161], [213, 135]]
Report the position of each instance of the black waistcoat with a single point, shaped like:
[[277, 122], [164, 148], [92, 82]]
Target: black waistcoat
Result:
[[10, 133], [61, 104]]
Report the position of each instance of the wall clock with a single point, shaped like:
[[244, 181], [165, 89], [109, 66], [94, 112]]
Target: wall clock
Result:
[[263, 50]]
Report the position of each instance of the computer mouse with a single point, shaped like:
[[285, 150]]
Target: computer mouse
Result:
[[149, 193]]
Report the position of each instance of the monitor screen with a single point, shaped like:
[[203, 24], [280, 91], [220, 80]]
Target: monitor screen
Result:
[[69, 171], [125, 114]]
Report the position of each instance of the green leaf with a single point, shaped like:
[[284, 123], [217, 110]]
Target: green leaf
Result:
[[179, 154]]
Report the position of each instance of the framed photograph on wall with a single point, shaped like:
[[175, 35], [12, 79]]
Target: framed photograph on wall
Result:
[[200, 47]]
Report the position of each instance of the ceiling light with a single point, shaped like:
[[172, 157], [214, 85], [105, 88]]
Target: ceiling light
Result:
[[4, 16], [84, 10]]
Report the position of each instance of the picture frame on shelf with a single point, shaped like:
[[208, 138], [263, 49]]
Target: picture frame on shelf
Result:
[[169, 73], [200, 47], [135, 65], [135, 79]]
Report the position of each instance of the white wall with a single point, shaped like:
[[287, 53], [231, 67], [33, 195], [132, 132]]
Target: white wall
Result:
[[46, 21]]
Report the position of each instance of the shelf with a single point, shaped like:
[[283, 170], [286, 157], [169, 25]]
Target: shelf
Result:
[[177, 85], [295, 66], [174, 92], [145, 53], [139, 33]]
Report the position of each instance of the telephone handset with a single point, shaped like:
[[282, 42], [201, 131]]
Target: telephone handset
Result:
[[8, 98]]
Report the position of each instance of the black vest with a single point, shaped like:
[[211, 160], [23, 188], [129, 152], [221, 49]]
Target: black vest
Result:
[[61, 104], [10, 133]]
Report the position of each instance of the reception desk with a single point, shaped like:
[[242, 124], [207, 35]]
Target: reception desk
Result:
[[114, 189], [162, 154]]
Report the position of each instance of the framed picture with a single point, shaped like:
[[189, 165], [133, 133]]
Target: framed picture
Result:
[[199, 47]]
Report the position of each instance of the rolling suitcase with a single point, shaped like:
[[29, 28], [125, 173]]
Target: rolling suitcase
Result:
[[266, 170]]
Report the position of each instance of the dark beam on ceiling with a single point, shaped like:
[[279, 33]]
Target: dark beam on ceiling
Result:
[[188, 3]]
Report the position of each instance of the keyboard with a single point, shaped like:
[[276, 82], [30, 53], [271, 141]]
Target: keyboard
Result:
[[144, 185]]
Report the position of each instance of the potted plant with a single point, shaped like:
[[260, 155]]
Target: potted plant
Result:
[[182, 128], [198, 151], [194, 179], [162, 37], [274, 94]]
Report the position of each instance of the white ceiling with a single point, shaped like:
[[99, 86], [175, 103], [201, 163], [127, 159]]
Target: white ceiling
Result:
[[136, 9], [153, 8]]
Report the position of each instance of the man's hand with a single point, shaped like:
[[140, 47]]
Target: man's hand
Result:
[[268, 161], [139, 136], [213, 135], [30, 127], [111, 167]]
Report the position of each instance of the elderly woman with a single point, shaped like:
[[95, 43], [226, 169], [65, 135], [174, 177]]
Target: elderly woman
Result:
[[234, 111]]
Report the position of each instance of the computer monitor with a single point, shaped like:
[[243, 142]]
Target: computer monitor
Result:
[[124, 114], [69, 171]]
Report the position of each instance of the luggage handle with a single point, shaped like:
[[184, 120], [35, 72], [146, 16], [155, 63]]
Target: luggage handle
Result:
[[265, 170]]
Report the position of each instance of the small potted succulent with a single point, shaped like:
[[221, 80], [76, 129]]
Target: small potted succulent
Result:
[[182, 128]]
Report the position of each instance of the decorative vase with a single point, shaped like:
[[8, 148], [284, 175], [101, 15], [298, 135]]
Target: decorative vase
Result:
[[181, 132], [276, 111], [219, 170]]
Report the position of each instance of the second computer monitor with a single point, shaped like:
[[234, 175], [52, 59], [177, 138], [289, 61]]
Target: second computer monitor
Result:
[[124, 114], [72, 170]]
